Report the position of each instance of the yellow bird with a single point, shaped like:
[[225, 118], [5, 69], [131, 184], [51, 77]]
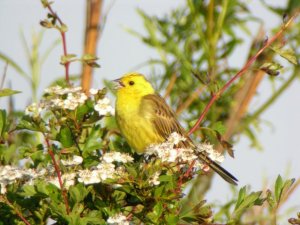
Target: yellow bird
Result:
[[145, 118]]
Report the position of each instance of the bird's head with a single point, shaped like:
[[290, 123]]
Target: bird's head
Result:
[[133, 84]]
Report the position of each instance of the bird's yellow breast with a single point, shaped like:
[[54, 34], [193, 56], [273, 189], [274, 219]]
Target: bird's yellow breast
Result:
[[135, 126]]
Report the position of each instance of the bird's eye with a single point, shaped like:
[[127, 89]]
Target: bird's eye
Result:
[[131, 83]]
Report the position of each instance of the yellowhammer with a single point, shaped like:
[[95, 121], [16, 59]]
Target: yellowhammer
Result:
[[144, 118]]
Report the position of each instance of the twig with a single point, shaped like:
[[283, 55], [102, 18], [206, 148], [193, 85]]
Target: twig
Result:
[[170, 85], [57, 170], [216, 95], [16, 210], [64, 42]]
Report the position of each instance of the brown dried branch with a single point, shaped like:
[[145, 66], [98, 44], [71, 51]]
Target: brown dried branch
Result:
[[170, 85], [93, 14]]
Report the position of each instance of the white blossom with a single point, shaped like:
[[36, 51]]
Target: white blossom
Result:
[[154, 179], [212, 153], [93, 91], [175, 138], [106, 170], [89, 177], [33, 110], [118, 219], [54, 180], [74, 161], [167, 153], [103, 107], [53, 90], [66, 98], [117, 157], [10, 174]]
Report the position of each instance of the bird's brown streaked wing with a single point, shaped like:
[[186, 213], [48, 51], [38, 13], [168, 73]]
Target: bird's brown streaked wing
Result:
[[163, 118]]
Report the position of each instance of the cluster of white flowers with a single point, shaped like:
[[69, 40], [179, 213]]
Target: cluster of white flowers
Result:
[[106, 169], [34, 110], [74, 161], [167, 153], [103, 107], [102, 172], [74, 97], [69, 99], [117, 157], [10, 174], [118, 219]]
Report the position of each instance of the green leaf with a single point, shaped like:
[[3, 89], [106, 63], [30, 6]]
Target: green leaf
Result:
[[272, 68], [65, 137], [78, 193], [246, 201], [172, 219], [158, 209], [88, 57], [281, 187], [93, 217], [8, 92], [93, 141], [67, 58], [81, 111], [2, 122], [287, 54], [27, 123], [159, 191], [242, 194], [166, 178], [28, 191], [131, 170], [287, 185], [278, 188], [219, 127], [270, 199], [46, 3]]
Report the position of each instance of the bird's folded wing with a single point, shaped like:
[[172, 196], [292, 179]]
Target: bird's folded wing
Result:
[[161, 115]]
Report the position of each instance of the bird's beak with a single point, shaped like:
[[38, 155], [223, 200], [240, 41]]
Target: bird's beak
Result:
[[118, 84]]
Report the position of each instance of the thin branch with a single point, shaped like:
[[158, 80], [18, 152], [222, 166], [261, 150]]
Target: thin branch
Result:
[[170, 85], [64, 42], [217, 95], [16, 210], [58, 172]]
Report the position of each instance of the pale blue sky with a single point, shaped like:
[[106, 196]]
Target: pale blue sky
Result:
[[120, 52]]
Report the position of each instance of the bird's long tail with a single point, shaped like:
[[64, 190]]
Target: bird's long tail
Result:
[[217, 168]]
